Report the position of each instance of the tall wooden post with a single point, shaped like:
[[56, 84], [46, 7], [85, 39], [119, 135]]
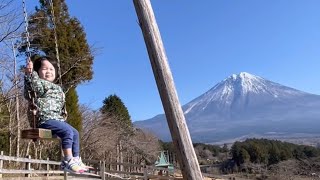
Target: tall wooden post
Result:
[[1, 163], [17, 104], [48, 167], [28, 167], [174, 114], [103, 170]]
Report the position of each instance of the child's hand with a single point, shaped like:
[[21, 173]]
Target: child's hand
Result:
[[29, 67]]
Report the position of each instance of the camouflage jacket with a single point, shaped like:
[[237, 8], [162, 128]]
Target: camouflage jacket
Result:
[[49, 98]]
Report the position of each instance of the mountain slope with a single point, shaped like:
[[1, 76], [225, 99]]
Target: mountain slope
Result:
[[244, 105]]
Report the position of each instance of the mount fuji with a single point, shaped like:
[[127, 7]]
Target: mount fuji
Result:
[[245, 105]]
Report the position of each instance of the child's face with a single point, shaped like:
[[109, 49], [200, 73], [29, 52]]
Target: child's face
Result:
[[47, 71]]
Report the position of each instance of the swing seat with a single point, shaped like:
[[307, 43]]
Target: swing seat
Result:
[[37, 133]]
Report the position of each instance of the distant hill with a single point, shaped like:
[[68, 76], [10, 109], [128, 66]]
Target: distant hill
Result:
[[243, 106]]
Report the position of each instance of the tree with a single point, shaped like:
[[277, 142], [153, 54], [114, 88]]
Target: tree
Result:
[[274, 155], [4, 130], [225, 148], [113, 106], [9, 20], [244, 156], [235, 152], [101, 136], [74, 115], [74, 52]]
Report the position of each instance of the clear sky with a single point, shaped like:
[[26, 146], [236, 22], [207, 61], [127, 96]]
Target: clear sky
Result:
[[205, 41]]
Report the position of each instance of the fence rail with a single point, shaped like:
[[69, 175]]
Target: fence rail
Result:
[[27, 160], [103, 170]]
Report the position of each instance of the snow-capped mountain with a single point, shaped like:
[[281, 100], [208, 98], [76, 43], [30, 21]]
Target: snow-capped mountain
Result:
[[245, 104]]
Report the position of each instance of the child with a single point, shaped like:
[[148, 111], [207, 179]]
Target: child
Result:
[[50, 100]]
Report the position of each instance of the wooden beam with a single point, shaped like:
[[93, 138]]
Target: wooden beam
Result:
[[36, 133], [19, 159], [174, 114], [14, 171]]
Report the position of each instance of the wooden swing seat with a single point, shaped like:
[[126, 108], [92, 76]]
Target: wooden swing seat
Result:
[[37, 133]]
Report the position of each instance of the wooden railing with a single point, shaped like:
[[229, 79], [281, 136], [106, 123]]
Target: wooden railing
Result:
[[101, 169], [52, 168], [28, 161]]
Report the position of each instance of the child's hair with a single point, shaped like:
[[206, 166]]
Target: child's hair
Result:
[[37, 63]]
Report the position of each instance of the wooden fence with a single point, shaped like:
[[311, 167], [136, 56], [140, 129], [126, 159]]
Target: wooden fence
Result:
[[101, 169]]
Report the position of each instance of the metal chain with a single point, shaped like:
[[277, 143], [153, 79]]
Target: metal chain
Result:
[[31, 94], [26, 24]]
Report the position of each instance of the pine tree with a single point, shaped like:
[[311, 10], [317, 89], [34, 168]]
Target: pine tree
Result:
[[4, 130], [74, 52], [74, 115], [113, 106]]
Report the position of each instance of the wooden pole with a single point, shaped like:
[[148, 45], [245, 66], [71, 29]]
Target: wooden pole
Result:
[[17, 104], [179, 131], [102, 170], [145, 171], [1, 163], [48, 167], [65, 175], [28, 167]]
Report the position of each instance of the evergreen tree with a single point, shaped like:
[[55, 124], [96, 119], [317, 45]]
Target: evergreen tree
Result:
[[74, 115], [4, 130], [236, 151], [113, 106], [244, 156], [270, 151], [225, 148], [274, 155]]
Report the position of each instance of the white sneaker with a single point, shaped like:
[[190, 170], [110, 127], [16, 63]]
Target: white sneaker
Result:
[[81, 164], [73, 166]]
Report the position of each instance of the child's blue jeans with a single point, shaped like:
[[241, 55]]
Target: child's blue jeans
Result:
[[69, 136]]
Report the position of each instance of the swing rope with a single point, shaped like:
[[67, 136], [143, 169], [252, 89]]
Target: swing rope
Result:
[[57, 52]]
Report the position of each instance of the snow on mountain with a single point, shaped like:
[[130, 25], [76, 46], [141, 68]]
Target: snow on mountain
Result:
[[241, 86], [244, 104]]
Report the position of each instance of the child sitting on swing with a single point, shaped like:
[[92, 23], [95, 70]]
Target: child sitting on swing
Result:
[[50, 100]]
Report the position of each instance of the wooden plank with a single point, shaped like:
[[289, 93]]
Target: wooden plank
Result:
[[18, 159], [85, 175], [159, 177], [126, 164], [14, 171], [91, 161], [158, 168], [56, 177], [124, 172], [176, 121], [37, 133]]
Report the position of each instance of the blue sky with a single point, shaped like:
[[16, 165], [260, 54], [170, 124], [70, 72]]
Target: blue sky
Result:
[[205, 41]]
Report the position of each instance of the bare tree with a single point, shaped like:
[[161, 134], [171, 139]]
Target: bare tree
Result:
[[101, 137], [10, 19], [145, 144], [98, 135]]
